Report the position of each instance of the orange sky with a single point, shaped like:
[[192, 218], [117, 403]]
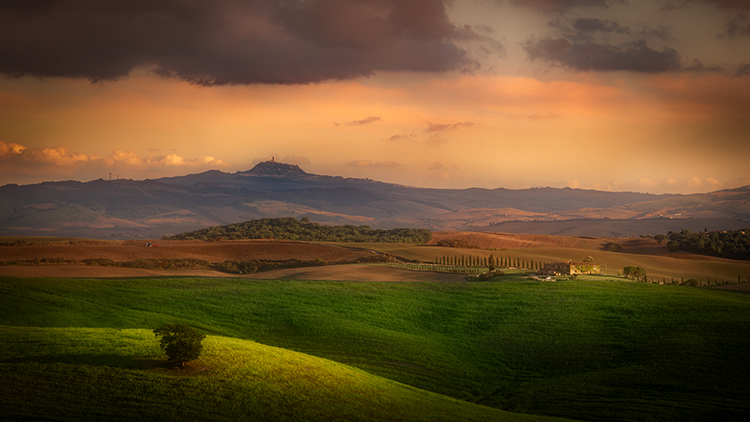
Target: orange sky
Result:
[[569, 99]]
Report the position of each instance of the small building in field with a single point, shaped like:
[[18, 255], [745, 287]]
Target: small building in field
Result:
[[570, 268]]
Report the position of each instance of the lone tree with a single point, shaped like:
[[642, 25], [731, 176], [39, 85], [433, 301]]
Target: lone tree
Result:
[[612, 247], [180, 342], [632, 272]]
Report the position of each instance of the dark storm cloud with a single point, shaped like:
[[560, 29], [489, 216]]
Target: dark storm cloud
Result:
[[582, 30], [228, 42], [730, 4], [743, 70], [634, 56], [720, 4], [599, 25], [556, 6], [737, 26], [698, 66]]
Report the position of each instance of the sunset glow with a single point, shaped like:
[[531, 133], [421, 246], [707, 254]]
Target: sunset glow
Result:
[[638, 96]]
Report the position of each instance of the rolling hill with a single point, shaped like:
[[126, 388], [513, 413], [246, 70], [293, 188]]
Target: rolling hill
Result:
[[124, 209], [82, 349]]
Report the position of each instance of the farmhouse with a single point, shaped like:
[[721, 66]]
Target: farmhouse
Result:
[[570, 268]]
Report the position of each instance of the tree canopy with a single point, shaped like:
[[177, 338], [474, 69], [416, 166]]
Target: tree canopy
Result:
[[289, 228], [733, 244], [636, 273], [180, 342]]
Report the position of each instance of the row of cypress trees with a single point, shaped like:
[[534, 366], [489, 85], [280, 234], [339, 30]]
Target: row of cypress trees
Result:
[[479, 261]]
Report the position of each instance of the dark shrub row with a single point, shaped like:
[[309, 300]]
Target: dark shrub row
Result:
[[289, 228]]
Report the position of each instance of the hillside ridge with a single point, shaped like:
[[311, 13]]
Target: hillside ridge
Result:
[[275, 169], [123, 209]]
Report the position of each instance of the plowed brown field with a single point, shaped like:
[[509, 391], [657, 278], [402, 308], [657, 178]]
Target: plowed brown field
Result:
[[244, 250], [525, 241]]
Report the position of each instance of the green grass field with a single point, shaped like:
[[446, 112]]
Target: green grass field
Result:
[[585, 350], [109, 374]]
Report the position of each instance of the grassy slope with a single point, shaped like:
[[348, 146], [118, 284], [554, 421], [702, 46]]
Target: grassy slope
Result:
[[584, 350], [98, 374]]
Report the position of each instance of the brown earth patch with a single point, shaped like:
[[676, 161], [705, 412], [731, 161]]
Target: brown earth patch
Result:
[[630, 245], [521, 241], [240, 250], [83, 271]]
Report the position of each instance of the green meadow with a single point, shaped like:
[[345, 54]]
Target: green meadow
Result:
[[82, 349]]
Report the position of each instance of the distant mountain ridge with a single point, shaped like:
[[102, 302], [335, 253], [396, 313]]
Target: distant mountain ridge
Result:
[[172, 205]]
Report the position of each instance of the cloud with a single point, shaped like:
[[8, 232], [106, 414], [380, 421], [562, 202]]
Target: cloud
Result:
[[677, 185], [128, 158], [397, 138], [441, 127], [557, 6], [698, 66], [173, 160], [730, 4], [9, 149], [229, 42], [368, 164], [440, 172], [599, 25], [16, 159], [720, 4], [735, 27], [634, 56], [743, 70], [435, 140], [588, 29], [368, 119]]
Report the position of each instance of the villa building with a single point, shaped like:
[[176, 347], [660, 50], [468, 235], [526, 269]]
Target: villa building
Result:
[[570, 268]]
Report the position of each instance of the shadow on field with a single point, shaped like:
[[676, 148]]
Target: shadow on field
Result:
[[111, 360], [160, 365]]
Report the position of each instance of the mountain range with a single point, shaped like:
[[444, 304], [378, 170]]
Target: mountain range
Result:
[[121, 209]]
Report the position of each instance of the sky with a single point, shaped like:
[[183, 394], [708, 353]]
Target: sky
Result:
[[616, 95]]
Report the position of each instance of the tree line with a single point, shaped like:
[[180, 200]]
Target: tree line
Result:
[[732, 244], [289, 228], [489, 262]]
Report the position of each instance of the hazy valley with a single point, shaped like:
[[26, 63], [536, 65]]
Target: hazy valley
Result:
[[124, 209]]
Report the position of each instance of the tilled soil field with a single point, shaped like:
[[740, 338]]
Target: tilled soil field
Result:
[[518, 241], [486, 240], [241, 250]]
